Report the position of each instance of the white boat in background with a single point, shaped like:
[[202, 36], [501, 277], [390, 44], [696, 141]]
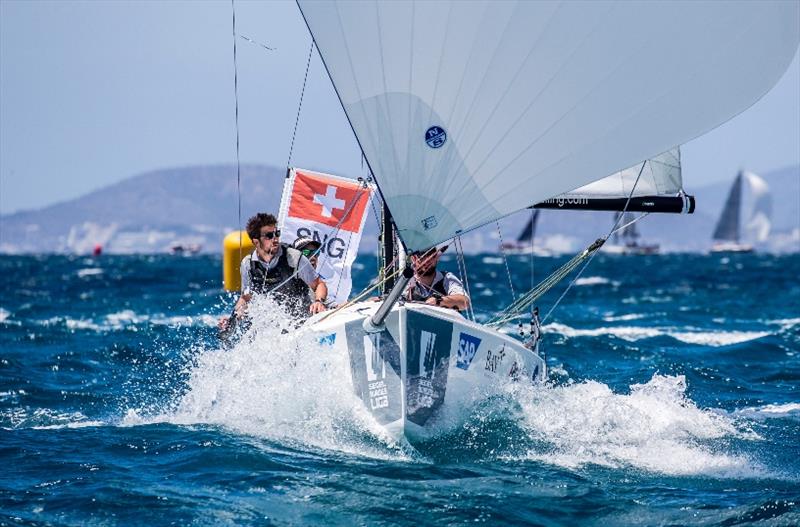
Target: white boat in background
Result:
[[749, 194], [626, 241], [468, 112]]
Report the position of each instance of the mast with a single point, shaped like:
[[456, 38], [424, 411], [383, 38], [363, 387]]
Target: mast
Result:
[[387, 249]]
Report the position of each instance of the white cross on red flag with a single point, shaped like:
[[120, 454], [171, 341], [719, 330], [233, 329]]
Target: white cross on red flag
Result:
[[330, 210]]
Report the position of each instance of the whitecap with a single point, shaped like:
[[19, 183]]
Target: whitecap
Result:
[[771, 411], [491, 260], [634, 333], [629, 333], [718, 338], [595, 280], [89, 271], [622, 318]]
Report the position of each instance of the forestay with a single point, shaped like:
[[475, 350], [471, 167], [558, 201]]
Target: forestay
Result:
[[469, 111]]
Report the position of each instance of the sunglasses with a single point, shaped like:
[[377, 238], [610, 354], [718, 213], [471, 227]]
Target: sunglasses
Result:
[[270, 235], [308, 252]]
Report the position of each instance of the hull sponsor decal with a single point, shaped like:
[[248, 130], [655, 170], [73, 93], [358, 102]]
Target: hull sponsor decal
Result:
[[494, 358], [427, 361], [375, 365], [328, 340], [467, 348]]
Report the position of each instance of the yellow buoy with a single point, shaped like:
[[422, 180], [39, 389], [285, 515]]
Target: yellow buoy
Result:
[[235, 247]]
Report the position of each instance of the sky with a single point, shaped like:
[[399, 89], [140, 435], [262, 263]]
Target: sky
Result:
[[94, 92]]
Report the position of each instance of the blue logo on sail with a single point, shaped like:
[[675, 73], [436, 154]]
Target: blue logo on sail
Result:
[[467, 348], [435, 137]]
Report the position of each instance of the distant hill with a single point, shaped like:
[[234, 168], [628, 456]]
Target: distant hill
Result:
[[151, 212]]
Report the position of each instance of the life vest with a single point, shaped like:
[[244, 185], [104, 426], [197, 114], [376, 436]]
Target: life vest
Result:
[[293, 295], [436, 289]]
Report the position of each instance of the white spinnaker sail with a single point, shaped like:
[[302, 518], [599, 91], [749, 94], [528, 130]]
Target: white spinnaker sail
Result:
[[757, 207], [469, 111], [660, 176]]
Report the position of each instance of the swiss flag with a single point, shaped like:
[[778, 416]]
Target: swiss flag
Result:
[[329, 201]]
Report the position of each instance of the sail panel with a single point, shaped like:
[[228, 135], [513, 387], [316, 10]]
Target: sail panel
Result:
[[660, 176], [758, 208], [467, 112]]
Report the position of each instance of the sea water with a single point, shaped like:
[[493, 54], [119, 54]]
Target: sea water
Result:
[[673, 399]]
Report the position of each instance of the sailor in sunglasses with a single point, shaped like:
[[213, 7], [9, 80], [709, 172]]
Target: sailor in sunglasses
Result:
[[277, 269]]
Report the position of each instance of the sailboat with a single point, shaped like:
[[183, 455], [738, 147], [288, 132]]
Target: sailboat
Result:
[[524, 242], [626, 241], [468, 112], [749, 193]]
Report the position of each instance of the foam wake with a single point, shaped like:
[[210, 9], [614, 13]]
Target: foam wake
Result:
[[654, 428], [278, 384]]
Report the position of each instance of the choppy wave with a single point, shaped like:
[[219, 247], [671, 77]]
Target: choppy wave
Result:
[[129, 319], [771, 411], [634, 333], [44, 419]]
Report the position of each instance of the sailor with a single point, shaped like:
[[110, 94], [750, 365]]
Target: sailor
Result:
[[309, 247], [277, 268], [435, 287]]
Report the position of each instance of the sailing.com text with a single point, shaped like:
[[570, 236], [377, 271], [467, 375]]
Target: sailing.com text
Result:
[[560, 201]]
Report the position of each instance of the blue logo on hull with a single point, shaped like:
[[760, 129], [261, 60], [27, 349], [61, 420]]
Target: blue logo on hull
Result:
[[467, 348]]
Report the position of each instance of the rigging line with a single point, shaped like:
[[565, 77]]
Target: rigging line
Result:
[[300, 105], [505, 261], [533, 219], [236, 120], [591, 257], [463, 262]]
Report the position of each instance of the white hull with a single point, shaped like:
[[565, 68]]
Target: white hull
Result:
[[731, 247], [630, 249], [526, 250], [421, 375]]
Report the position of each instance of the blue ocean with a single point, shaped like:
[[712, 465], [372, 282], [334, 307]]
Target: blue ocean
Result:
[[673, 399]]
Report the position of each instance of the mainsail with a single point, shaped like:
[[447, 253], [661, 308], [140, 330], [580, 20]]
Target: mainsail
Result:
[[469, 111]]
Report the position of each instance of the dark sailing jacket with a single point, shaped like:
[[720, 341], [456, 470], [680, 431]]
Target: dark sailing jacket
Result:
[[293, 295], [436, 289]]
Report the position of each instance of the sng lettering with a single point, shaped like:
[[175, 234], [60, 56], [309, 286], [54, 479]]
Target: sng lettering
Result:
[[494, 358], [467, 348], [333, 247]]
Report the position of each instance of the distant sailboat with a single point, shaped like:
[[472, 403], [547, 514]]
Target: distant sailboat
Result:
[[524, 243], [749, 193], [626, 241]]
